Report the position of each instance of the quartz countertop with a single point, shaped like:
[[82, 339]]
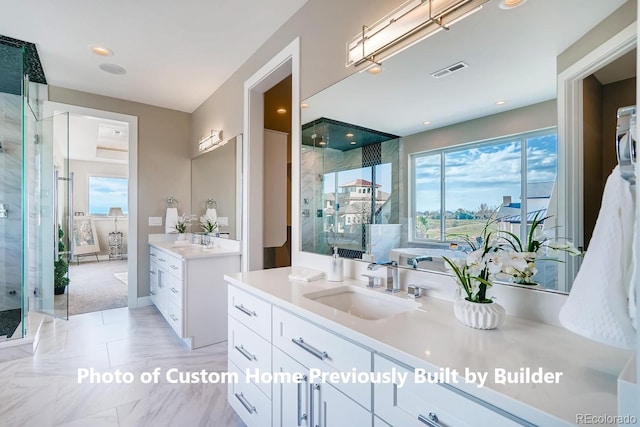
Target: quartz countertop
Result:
[[431, 337], [191, 251]]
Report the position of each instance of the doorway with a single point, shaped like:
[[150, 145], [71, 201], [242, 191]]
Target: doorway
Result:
[[284, 64], [103, 162]]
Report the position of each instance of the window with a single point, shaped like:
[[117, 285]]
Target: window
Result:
[[455, 190], [107, 192]]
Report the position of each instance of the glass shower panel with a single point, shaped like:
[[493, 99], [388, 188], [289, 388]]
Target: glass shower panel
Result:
[[51, 208], [11, 194]]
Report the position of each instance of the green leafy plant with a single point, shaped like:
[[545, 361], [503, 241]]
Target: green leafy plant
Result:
[[60, 266], [207, 225]]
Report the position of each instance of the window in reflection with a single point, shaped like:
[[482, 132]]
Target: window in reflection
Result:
[[456, 190]]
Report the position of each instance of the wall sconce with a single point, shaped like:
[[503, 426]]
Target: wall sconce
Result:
[[419, 18], [209, 141]]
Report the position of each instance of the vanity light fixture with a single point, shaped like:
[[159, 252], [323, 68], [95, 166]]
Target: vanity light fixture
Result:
[[211, 141], [281, 111], [413, 21], [101, 50]]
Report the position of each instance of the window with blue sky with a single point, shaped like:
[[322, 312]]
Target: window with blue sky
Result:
[[455, 190], [106, 193]]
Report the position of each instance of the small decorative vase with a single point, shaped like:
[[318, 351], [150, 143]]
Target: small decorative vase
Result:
[[479, 315], [181, 236]]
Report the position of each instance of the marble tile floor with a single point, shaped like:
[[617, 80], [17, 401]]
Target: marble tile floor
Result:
[[43, 390]]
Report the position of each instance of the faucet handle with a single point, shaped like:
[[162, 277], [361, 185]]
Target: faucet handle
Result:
[[415, 291], [373, 281]]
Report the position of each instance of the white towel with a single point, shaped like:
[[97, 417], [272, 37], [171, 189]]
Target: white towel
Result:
[[305, 274], [212, 215], [598, 304], [171, 220]]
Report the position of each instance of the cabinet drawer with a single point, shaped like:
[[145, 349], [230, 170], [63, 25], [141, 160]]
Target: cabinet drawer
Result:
[[248, 401], [251, 311], [170, 264], [174, 317], [249, 351], [315, 347], [430, 404], [173, 288]]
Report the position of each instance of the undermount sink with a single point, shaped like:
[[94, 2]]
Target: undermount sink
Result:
[[363, 303]]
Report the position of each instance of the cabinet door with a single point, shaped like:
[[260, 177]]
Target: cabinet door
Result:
[[331, 408], [290, 400]]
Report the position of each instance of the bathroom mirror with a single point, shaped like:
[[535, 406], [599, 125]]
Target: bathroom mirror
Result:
[[217, 175], [473, 115]]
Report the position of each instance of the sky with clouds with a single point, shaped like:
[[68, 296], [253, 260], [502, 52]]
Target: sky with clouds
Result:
[[483, 173], [105, 193]]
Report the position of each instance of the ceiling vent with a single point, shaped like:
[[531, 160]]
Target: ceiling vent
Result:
[[450, 69]]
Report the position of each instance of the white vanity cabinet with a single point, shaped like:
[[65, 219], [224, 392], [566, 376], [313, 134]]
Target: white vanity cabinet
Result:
[[190, 292], [420, 404]]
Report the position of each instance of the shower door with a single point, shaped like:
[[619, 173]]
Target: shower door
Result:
[[51, 216]]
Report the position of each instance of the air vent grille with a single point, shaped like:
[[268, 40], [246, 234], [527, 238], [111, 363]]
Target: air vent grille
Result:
[[450, 69]]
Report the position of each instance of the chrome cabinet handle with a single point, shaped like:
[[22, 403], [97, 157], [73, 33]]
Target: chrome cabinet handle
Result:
[[174, 290], [161, 259], [152, 293], [431, 420], [152, 272], [248, 406], [245, 310], [301, 416], [317, 353], [245, 353], [173, 266], [152, 255], [174, 318], [313, 387]]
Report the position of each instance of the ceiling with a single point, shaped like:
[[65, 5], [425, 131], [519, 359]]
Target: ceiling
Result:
[[176, 54], [97, 139], [512, 57]]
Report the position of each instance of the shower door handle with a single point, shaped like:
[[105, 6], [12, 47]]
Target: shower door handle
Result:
[[56, 250], [70, 229]]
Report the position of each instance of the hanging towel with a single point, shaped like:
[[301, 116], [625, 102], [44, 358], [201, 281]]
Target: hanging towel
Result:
[[171, 220], [598, 305], [212, 215]]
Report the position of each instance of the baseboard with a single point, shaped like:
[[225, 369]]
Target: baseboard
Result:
[[144, 301]]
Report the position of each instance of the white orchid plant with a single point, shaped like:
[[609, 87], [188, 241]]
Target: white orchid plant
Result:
[[503, 252], [208, 225], [183, 222], [519, 261]]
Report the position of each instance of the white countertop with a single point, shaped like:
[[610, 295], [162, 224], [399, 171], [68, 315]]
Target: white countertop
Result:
[[430, 336], [192, 251]]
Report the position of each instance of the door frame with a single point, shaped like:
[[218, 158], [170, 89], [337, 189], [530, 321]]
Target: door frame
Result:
[[285, 63], [49, 109], [570, 140]]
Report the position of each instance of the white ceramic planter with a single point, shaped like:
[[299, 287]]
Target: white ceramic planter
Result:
[[477, 315]]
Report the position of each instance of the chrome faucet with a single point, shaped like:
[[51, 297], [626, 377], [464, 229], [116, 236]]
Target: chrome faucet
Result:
[[417, 259], [393, 280]]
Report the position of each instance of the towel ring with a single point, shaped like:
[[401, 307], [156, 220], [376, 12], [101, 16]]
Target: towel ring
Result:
[[210, 203], [171, 201]]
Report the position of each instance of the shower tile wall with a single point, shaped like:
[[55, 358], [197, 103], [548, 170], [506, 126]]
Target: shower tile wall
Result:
[[11, 194]]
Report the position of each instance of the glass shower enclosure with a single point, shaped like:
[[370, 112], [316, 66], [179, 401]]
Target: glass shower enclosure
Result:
[[34, 196]]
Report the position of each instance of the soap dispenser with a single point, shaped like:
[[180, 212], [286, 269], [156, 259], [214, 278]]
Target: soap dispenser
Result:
[[337, 270]]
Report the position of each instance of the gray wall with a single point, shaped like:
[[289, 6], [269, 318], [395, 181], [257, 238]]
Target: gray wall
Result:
[[164, 161]]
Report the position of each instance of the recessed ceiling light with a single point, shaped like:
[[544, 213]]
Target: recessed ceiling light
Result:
[[353, 143], [112, 68], [427, 122], [376, 69], [501, 102], [102, 51], [304, 105], [510, 4], [281, 111], [349, 135]]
